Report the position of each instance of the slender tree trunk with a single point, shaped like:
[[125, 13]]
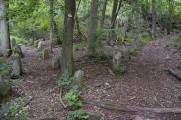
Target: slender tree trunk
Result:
[[51, 26], [59, 42], [115, 5], [103, 13], [5, 45], [92, 28], [153, 18], [67, 44], [77, 22]]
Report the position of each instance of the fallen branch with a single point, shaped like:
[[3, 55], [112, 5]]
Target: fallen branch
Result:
[[28, 101], [174, 74], [60, 89], [134, 108]]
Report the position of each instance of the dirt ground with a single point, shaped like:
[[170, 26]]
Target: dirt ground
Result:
[[146, 83]]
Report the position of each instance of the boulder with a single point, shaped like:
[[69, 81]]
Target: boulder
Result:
[[17, 65], [13, 43], [17, 49], [79, 76], [56, 62], [5, 86], [45, 54], [117, 59]]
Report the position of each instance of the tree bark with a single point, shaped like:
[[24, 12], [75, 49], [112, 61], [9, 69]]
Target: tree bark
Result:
[[51, 26], [59, 42], [153, 18], [103, 13], [92, 28], [5, 45], [115, 4], [67, 44], [77, 22]]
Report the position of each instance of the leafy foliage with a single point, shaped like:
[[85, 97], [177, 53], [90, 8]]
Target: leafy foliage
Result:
[[176, 42], [65, 79], [121, 70], [4, 67], [100, 57], [73, 98], [15, 111], [77, 114]]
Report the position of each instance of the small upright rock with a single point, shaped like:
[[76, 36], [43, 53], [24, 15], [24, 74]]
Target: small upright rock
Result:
[[13, 43], [40, 45], [56, 62], [117, 59], [1, 54], [5, 86], [17, 49], [79, 76], [45, 54], [17, 65]]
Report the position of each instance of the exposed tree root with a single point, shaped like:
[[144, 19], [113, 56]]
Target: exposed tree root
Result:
[[60, 89], [174, 74], [134, 108]]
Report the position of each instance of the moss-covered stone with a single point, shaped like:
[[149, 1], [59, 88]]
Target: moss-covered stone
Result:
[[5, 86]]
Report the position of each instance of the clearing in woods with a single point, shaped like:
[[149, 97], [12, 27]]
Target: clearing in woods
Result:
[[146, 83]]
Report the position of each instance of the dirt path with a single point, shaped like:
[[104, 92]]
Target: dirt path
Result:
[[145, 84]]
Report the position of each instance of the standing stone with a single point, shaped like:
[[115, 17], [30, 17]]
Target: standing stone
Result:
[[117, 59], [45, 54], [126, 54], [40, 45], [13, 43], [56, 62], [17, 49], [79, 76], [1, 54], [136, 43], [17, 65], [5, 86]]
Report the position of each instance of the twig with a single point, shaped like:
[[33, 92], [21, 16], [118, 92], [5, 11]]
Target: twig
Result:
[[28, 101], [174, 74], [60, 88]]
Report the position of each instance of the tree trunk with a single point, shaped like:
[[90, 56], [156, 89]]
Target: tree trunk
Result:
[[115, 4], [153, 18], [103, 13], [67, 44], [51, 26], [77, 22], [92, 28], [5, 45], [59, 42]]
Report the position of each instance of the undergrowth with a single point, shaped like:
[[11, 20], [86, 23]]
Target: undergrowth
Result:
[[72, 97], [16, 110], [100, 58]]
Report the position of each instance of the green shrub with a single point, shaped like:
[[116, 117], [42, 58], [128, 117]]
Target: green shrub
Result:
[[65, 79], [73, 98], [100, 57], [4, 67], [121, 70], [176, 42], [77, 115], [77, 47], [15, 111]]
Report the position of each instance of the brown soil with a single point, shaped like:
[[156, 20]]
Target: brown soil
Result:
[[145, 84]]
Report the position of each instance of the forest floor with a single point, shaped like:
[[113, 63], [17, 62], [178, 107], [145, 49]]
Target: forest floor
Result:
[[146, 83]]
